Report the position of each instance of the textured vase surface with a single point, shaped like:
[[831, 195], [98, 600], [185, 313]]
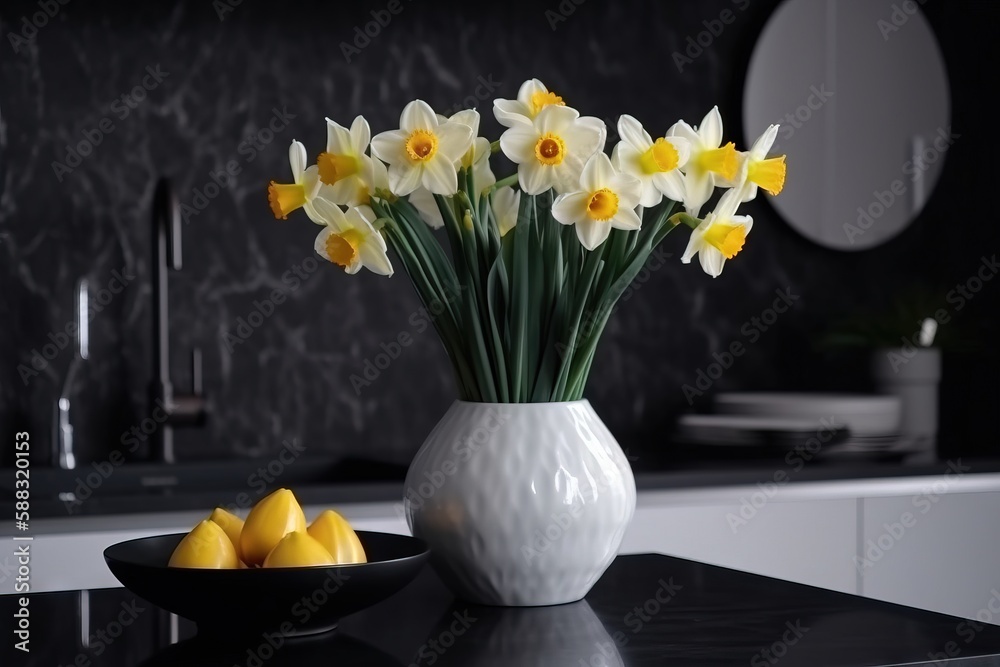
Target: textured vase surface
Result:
[[522, 504]]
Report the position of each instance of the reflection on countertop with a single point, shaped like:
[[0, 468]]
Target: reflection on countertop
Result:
[[646, 610]]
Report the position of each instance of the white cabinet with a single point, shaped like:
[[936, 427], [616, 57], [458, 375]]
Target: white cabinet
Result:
[[933, 551], [926, 542], [807, 541]]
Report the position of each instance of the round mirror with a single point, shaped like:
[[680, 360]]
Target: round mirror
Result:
[[860, 90]]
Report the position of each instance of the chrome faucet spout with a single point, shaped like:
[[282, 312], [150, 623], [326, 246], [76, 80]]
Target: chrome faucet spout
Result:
[[180, 410], [62, 426]]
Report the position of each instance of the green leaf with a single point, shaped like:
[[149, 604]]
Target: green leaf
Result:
[[522, 314], [581, 290], [496, 302], [445, 327], [522, 233]]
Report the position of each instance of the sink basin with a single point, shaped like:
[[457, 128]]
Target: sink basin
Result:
[[141, 487]]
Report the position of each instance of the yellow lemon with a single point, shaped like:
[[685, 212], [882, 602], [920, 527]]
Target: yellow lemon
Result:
[[232, 524], [298, 550], [206, 546], [270, 520], [336, 535]]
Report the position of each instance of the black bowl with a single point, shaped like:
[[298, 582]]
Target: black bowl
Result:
[[287, 601]]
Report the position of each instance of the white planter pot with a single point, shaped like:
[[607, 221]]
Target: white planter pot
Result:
[[912, 374], [522, 504]]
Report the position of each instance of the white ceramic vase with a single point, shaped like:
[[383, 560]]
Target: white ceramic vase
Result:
[[522, 504]]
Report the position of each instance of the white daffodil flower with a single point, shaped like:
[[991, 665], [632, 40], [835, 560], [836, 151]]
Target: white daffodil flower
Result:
[[532, 97], [423, 200], [720, 236], [423, 151], [551, 150], [349, 176], [477, 158], [301, 193], [656, 164], [757, 170], [606, 198], [349, 240], [506, 205], [709, 157]]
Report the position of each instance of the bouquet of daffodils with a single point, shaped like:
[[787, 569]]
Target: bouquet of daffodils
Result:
[[538, 258]]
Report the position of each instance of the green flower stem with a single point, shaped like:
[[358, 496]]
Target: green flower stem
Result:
[[686, 219], [586, 278], [578, 381], [428, 283], [476, 242], [659, 230], [476, 309], [661, 234], [444, 326], [519, 299], [551, 244], [480, 353], [492, 226], [438, 270], [614, 257], [463, 254], [496, 315], [536, 299], [503, 182], [424, 267], [474, 223], [551, 306], [521, 315]]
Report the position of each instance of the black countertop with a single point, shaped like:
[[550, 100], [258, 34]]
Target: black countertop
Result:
[[647, 610]]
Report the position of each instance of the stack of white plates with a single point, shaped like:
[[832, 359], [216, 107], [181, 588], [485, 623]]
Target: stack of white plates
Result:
[[872, 421], [784, 433]]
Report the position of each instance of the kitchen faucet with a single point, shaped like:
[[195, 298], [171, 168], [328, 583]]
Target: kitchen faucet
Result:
[[180, 409], [63, 453]]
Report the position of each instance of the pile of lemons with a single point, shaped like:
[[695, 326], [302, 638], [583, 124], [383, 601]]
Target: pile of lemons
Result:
[[274, 534]]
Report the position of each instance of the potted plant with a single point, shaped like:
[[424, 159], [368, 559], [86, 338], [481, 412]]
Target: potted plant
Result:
[[521, 491], [905, 345]]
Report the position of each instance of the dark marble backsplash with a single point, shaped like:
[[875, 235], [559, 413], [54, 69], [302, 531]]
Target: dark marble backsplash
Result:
[[211, 93]]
